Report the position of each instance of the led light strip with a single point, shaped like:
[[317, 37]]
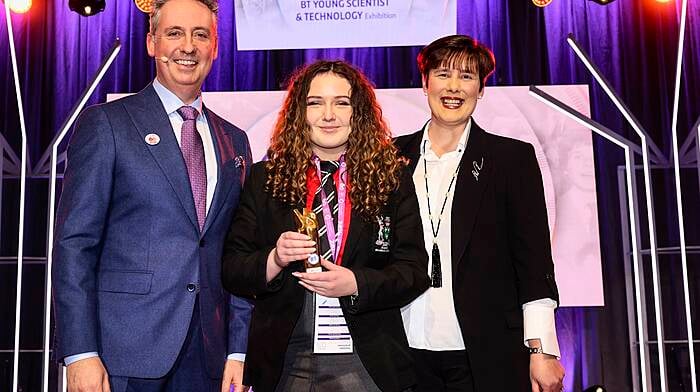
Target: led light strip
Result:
[[52, 203], [626, 145], [649, 203], [679, 198], [22, 190], [657, 155]]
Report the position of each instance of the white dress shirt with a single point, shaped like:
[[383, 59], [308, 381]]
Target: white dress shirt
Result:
[[430, 320]]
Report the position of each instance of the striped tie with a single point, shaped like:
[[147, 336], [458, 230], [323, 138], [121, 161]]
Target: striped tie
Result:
[[328, 186]]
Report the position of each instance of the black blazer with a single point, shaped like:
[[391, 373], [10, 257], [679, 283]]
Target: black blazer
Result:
[[386, 281], [501, 255]]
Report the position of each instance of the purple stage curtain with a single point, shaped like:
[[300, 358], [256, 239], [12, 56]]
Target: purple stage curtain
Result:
[[633, 42]]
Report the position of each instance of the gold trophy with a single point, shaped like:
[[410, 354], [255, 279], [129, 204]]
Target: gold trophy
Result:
[[309, 225]]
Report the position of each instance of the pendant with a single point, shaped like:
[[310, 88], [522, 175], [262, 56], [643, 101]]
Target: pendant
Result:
[[436, 273]]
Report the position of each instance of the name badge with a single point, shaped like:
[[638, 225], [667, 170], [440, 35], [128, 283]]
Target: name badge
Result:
[[331, 334], [383, 234]]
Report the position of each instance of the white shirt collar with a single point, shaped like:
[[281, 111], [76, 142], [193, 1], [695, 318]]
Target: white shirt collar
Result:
[[171, 102], [461, 144]]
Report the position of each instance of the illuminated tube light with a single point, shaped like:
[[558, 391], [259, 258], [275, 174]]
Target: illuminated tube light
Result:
[[627, 147], [649, 202], [52, 201], [22, 195], [679, 198]]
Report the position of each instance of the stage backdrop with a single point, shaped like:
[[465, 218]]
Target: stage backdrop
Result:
[[563, 148], [304, 24]]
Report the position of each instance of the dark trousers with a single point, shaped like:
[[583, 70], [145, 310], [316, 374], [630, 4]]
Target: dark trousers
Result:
[[447, 371], [187, 374]]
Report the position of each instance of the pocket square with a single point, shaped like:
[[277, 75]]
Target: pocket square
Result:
[[239, 161]]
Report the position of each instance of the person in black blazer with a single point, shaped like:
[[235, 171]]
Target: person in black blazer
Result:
[[330, 152], [487, 321]]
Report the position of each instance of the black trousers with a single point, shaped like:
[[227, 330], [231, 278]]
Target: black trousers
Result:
[[447, 371]]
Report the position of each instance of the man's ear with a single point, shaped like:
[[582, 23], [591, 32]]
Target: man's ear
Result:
[[150, 45], [424, 81], [215, 31]]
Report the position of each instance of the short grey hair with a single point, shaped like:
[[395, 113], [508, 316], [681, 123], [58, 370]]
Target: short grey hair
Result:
[[213, 6]]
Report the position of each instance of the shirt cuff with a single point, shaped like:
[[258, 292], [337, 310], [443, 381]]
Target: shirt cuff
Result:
[[237, 357], [77, 357], [538, 318]]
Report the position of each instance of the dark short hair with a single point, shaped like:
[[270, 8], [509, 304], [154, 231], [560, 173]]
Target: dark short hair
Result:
[[454, 51], [213, 6]]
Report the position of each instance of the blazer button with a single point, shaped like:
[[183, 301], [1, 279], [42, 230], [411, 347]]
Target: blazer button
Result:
[[191, 287], [201, 243]]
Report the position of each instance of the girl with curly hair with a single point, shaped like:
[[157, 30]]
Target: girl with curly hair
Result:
[[330, 153]]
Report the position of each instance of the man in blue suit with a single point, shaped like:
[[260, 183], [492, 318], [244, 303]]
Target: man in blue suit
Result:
[[150, 187]]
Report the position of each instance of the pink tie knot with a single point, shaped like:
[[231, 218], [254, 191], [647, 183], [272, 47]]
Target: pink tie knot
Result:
[[188, 113]]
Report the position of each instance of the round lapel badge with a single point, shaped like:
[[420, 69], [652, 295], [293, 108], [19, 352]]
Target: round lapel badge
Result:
[[152, 139]]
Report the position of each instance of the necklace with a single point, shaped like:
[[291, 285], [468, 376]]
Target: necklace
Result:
[[436, 270]]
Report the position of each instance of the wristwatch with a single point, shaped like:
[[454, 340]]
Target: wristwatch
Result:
[[535, 350]]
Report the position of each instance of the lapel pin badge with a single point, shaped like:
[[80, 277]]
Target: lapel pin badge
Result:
[[383, 234], [477, 168], [152, 139]]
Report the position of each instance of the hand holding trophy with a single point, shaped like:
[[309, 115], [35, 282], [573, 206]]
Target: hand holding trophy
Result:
[[308, 224]]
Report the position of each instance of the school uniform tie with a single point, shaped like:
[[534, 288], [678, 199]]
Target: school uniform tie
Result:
[[328, 186]]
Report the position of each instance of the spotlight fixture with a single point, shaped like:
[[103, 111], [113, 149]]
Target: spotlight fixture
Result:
[[541, 3], [87, 7], [144, 5], [603, 2], [20, 6], [595, 388]]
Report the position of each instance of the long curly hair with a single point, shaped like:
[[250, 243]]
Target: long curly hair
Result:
[[374, 167]]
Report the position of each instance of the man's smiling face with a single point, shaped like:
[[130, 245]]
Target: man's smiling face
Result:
[[186, 36]]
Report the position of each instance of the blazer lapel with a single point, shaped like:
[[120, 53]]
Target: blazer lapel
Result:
[[355, 233], [230, 166], [412, 149], [412, 152], [474, 175], [149, 117]]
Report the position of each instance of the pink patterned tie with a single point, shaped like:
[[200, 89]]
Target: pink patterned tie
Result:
[[193, 153]]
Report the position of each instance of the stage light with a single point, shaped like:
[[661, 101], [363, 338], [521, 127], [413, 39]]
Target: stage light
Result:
[[87, 7], [541, 3], [595, 388], [603, 2], [144, 5], [20, 6]]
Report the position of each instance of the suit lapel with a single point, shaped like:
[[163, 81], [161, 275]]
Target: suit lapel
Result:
[[149, 117], [474, 175], [412, 150], [230, 167], [355, 232]]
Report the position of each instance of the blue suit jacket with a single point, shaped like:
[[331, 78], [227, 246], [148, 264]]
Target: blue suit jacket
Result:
[[128, 245]]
